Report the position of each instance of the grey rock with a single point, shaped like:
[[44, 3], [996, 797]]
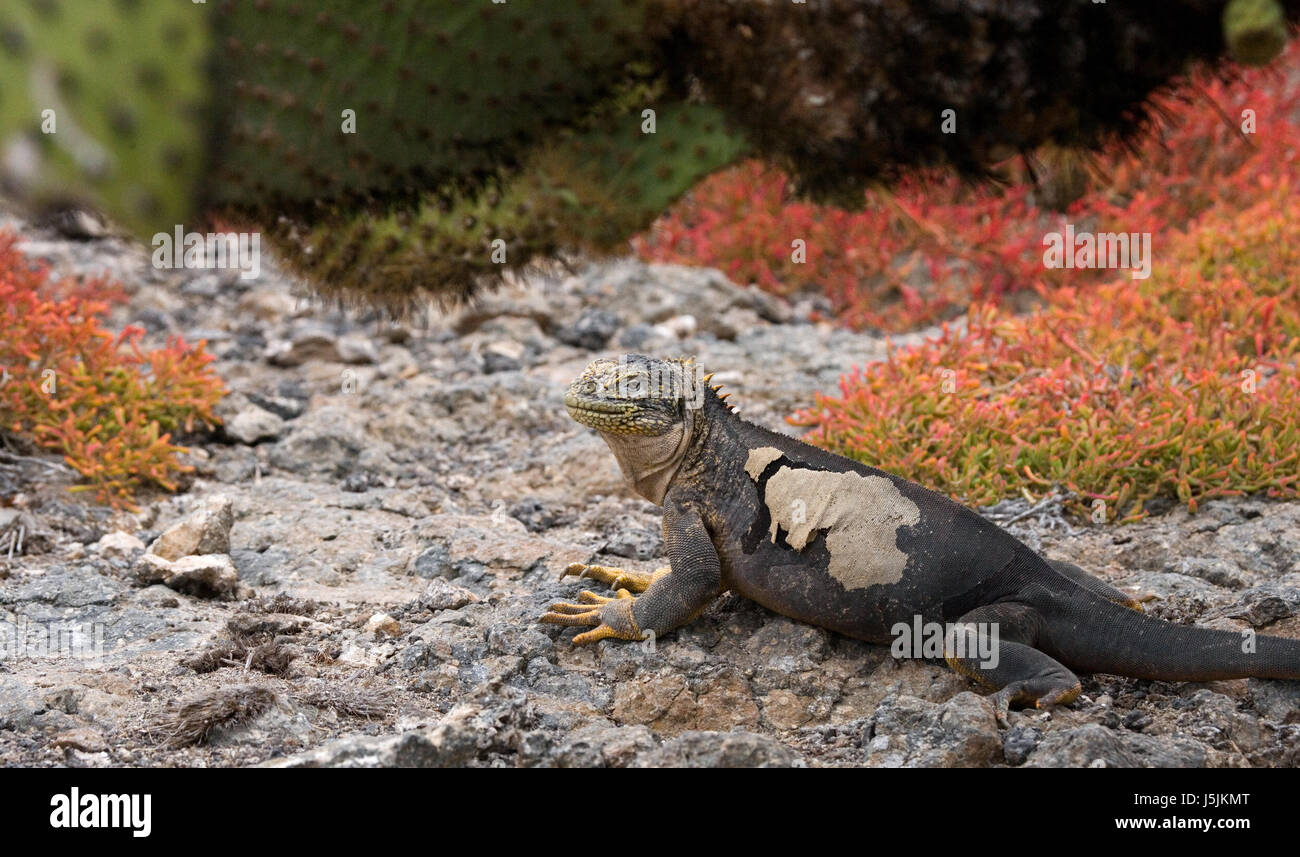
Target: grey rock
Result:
[[441, 594], [592, 330], [260, 568], [253, 424], [1095, 746], [201, 575], [534, 514], [503, 356], [327, 442], [1266, 603], [309, 342], [434, 561], [636, 543], [284, 407], [721, 750], [1276, 700], [909, 731], [1019, 742], [357, 350], [599, 745], [64, 586]]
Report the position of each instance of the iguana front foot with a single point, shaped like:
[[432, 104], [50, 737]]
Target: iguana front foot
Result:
[[612, 617], [617, 578]]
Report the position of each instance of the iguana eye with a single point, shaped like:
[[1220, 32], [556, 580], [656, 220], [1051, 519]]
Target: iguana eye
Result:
[[589, 387], [637, 387]]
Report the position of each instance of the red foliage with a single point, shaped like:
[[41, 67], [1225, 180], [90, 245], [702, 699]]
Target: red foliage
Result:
[[69, 385], [933, 245]]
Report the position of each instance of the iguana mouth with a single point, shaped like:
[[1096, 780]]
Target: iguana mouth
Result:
[[573, 403], [602, 416]]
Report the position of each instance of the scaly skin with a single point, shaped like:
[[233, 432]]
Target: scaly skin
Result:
[[835, 543]]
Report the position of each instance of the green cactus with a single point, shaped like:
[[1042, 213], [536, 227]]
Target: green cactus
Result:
[[477, 120], [128, 93], [440, 92], [590, 190]]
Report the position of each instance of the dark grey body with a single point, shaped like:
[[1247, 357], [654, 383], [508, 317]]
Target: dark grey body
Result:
[[957, 560], [931, 559]]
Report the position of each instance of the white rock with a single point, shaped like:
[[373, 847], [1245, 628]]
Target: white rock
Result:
[[382, 623], [357, 349], [266, 304], [119, 543], [253, 424], [205, 531], [358, 657], [679, 326]]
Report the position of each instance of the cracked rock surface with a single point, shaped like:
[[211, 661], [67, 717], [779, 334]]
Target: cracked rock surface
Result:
[[353, 573]]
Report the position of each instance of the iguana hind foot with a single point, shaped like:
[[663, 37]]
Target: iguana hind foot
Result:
[[995, 646]]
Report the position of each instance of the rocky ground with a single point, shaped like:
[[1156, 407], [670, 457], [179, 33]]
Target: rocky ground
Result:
[[353, 574]]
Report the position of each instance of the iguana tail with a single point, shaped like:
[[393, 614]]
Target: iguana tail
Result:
[[1091, 634]]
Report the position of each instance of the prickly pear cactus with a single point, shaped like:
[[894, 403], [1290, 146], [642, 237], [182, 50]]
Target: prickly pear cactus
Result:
[[397, 147], [590, 190], [104, 101], [343, 101]]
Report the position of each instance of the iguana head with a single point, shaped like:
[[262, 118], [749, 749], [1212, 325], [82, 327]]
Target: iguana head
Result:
[[645, 409], [634, 395]]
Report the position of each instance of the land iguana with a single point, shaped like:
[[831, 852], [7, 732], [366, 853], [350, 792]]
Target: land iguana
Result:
[[836, 543]]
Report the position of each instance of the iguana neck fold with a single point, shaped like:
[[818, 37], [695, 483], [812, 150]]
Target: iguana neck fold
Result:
[[650, 463]]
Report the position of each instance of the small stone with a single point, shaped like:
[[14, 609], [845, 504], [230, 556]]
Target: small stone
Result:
[[151, 569], [357, 656], [119, 543], [591, 331], [533, 514], [1019, 742], [433, 562], [205, 531], [204, 576], [84, 739], [678, 327], [460, 482], [382, 623], [357, 350], [253, 424], [309, 343], [266, 304], [444, 595], [284, 407], [503, 356]]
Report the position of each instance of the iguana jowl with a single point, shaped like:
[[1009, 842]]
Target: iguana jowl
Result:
[[835, 543]]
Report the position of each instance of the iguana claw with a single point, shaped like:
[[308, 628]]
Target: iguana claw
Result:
[[617, 578], [612, 617]]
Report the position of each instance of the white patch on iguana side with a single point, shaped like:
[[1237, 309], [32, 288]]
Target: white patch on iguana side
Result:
[[759, 459], [860, 514]]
